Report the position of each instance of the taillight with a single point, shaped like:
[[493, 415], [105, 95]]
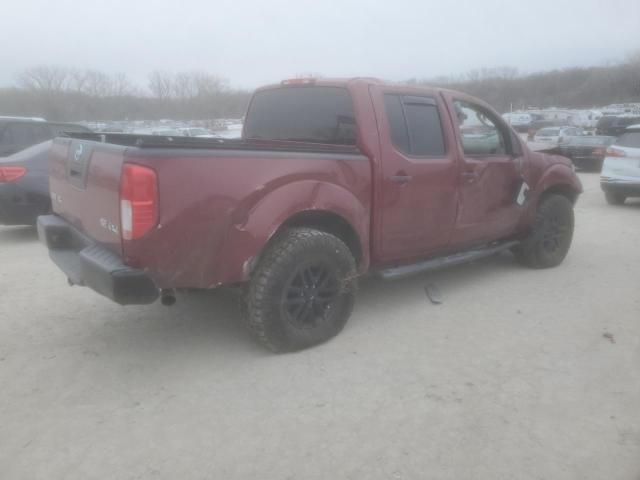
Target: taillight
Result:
[[615, 152], [11, 174], [138, 201]]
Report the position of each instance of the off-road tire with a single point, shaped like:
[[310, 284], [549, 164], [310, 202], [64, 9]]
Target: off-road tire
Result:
[[614, 198], [550, 238], [284, 269]]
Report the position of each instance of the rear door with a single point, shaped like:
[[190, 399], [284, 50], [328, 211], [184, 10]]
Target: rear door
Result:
[[418, 181], [490, 176]]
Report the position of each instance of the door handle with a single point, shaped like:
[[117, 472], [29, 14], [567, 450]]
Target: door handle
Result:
[[469, 177], [401, 179]]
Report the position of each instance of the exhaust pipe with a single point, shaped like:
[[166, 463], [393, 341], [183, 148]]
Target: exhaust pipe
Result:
[[168, 297]]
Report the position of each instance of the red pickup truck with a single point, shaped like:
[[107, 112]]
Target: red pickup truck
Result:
[[331, 179]]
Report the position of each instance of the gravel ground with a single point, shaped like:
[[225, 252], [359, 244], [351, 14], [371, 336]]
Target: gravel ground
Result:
[[519, 374]]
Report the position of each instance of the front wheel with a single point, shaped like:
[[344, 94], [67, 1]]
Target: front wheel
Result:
[[548, 243], [302, 291]]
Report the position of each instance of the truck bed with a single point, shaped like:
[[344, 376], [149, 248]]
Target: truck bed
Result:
[[172, 142], [212, 195]]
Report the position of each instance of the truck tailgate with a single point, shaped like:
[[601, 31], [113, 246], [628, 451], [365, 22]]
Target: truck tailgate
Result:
[[85, 188]]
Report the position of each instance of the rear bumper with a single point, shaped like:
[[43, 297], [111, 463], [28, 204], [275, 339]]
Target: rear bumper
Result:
[[18, 207], [88, 264], [628, 189], [586, 161]]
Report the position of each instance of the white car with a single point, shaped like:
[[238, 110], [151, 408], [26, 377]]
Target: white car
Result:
[[555, 135], [620, 177], [196, 132]]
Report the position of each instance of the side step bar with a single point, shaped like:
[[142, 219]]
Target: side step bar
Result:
[[441, 262]]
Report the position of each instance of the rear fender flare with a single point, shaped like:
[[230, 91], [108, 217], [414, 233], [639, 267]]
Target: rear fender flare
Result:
[[253, 228]]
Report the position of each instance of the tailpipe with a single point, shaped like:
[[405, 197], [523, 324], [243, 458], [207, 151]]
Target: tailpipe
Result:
[[168, 297]]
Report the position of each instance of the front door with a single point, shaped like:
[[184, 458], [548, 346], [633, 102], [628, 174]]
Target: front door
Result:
[[491, 177], [417, 193]]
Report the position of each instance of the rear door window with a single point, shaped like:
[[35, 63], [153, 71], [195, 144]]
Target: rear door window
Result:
[[302, 113], [415, 125]]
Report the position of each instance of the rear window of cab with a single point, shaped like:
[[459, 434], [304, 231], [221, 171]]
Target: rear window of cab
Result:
[[315, 114]]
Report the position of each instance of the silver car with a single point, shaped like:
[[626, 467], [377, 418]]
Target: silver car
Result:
[[620, 177]]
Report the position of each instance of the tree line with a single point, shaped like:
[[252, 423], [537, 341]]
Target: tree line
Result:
[[586, 87], [67, 94]]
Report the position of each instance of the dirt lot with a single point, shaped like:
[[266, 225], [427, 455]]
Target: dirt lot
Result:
[[519, 374]]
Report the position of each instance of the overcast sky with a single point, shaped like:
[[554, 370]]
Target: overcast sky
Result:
[[252, 42]]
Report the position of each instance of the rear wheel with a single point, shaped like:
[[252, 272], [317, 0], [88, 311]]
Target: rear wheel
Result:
[[302, 291], [548, 243], [614, 198]]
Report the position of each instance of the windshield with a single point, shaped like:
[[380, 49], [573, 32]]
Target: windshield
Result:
[[306, 114]]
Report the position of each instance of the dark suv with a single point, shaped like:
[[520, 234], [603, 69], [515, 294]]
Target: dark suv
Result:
[[614, 126], [16, 134]]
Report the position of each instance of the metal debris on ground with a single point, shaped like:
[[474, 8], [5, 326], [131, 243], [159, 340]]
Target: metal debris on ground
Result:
[[433, 292]]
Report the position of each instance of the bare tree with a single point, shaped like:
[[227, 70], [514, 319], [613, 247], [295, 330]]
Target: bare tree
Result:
[[45, 78], [121, 86], [161, 84], [207, 84]]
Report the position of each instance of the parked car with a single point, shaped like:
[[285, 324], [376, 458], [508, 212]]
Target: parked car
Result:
[[18, 133], [615, 125], [519, 121], [586, 152], [620, 177], [160, 131], [556, 135], [196, 132], [332, 179], [24, 185]]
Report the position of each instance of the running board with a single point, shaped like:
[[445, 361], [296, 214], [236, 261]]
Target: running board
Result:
[[441, 262]]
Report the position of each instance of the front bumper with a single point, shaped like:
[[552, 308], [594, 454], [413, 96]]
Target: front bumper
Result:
[[88, 264], [18, 207]]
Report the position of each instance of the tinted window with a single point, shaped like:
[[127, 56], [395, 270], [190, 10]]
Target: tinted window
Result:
[[307, 114], [397, 123], [479, 130], [629, 139], [425, 131], [415, 125]]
